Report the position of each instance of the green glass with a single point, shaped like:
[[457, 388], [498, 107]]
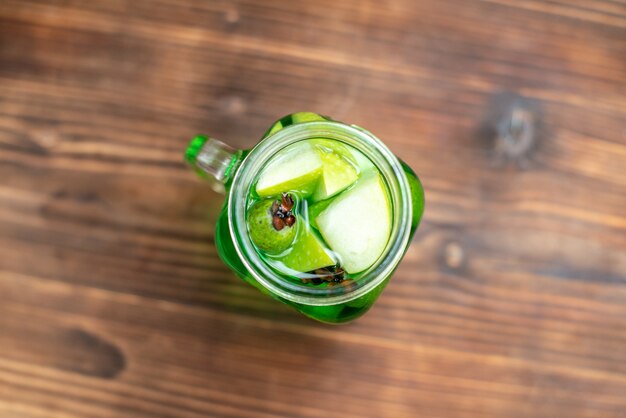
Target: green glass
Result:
[[233, 172]]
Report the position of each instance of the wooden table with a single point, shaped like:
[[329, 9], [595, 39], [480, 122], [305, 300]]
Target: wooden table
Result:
[[511, 301]]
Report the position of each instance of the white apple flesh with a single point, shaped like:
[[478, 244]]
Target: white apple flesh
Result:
[[357, 224], [298, 169]]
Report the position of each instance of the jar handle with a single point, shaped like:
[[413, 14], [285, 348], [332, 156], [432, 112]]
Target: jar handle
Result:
[[213, 160]]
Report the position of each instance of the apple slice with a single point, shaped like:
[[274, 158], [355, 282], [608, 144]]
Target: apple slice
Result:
[[352, 155], [362, 162], [296, 169], [315, 209], [357, 224], [307, 254], [263, 233], [331, 145], [337, 175]]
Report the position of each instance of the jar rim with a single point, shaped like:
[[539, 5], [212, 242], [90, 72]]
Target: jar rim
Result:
[[397, 184]]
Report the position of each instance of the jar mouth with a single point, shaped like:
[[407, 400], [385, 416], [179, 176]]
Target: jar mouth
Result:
[[389, 167]]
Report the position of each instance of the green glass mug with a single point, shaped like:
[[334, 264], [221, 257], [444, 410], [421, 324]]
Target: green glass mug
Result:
[[233, 172]]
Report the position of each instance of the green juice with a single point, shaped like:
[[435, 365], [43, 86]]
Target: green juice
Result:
[[319, 214]]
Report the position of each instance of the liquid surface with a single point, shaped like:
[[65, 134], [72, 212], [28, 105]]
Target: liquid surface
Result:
[[319, 213]]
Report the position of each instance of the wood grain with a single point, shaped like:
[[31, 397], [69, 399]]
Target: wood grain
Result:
[[511, 301]]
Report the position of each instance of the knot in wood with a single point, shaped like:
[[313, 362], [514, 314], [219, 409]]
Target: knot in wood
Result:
[[512, 128], [453, 255]]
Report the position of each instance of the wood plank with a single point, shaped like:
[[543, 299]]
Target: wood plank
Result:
[[511, 300]]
